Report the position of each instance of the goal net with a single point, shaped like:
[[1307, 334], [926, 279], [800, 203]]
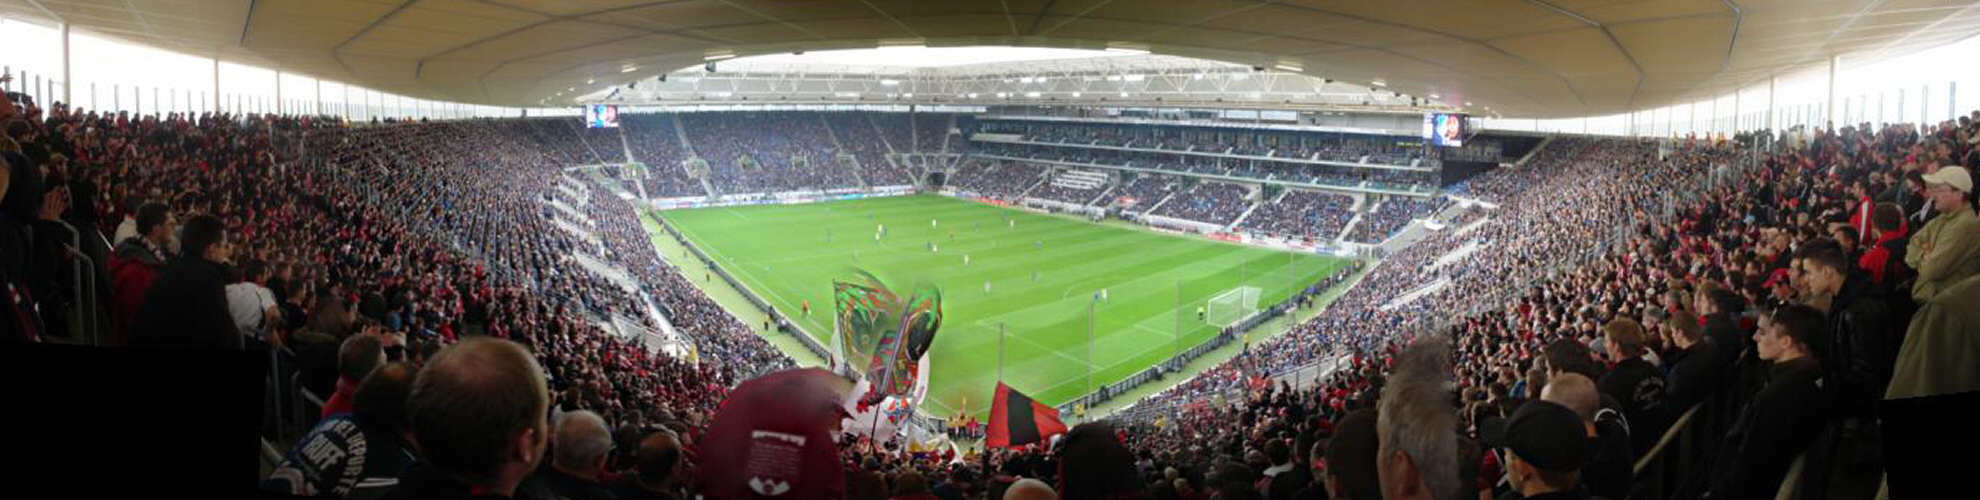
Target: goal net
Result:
[[1227, 308]]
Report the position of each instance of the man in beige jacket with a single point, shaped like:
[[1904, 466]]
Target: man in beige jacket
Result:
[[1947, 249]]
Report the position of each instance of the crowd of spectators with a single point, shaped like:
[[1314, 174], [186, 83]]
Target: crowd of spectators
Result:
[[1210, 202], [1145, 191], [656, 143], [931, 133], [770, 151], [1007, 179], [1762, 281], [1615, 287], [1056, 190], [858, 132], [1390, 216], [1305, 215]]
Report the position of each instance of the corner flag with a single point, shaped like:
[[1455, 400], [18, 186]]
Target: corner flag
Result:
[[1016, 420]]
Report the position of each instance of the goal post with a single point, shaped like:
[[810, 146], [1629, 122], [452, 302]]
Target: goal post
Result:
[[1227, 308]]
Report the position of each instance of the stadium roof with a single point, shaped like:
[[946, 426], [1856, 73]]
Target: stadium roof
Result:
[[1527, 58]]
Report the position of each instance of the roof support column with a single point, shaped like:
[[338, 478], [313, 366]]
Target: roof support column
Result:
[[216, 86], [1771, 83], [1835, 63], [65, 66]]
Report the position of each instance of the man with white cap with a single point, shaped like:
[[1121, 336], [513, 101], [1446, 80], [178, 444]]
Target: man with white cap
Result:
[[1947, 249]]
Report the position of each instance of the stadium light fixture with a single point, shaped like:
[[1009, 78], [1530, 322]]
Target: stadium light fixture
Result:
[[1033, 95], [628, 68], [908, 95], [1199, 76], [1288, 67], [717, 57], [1075, 94], [1467, 103], [1124, 94], [1379, 83], [972, 95], [589, 81], [1435, 96], [890, 83]]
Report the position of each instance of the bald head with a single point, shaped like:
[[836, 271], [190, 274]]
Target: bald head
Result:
[[582, 442], [1030, 489], [1574, 391]]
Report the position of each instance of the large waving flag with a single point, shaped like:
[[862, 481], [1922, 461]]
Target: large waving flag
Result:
[[1016, 420], [884, 336]]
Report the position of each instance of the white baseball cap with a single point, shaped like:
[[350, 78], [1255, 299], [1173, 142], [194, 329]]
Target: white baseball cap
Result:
[[1951, 176]]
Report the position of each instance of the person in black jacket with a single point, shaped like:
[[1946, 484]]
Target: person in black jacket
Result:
[[1607, 471], [1784, 418], [186, 308], [1861, 349], [1695, 370], [660, 463], [1633, 382]]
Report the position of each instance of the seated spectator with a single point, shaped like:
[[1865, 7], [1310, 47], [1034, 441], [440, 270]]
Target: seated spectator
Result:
[[186, 308], [658, 471], [1786, 415], [356, 358], [478, 413], [370, 446], [1884, 257], [1545, 447], [581, 445]]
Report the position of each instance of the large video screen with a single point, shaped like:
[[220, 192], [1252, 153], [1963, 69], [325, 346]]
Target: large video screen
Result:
[[601, 116], [1444, 129]]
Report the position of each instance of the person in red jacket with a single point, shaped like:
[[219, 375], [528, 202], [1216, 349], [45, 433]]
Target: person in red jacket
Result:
[[136, 263], [1891, 233]]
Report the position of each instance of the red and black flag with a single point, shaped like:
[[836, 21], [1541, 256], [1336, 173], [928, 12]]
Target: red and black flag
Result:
[[1016, 420]]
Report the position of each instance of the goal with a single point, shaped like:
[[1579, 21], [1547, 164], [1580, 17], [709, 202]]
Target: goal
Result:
[[1228, 308]]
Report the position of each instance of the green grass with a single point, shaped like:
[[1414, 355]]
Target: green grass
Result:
[[782, 253]]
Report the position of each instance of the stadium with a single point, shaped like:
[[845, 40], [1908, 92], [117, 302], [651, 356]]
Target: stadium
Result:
[[1013, 250]]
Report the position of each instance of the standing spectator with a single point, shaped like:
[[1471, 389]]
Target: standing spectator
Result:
[[1861, 335], [1545, 447], [1608, 471], [1417, 427], [187, 306], [478, 412], [254, 308], [1786, 415], [1094, 465], [1633, 382], [581, 447], [1351, 455], [1695, 370], [136, 264], [356, 358], [1947, 249], [658, 469], [371, 449], [1884, 258], [911, 486]]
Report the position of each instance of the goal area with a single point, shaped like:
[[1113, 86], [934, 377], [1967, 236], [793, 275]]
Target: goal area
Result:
[[1229, 307]]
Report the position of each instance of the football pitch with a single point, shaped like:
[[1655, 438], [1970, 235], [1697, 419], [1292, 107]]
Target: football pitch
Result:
[[1043, 276]]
